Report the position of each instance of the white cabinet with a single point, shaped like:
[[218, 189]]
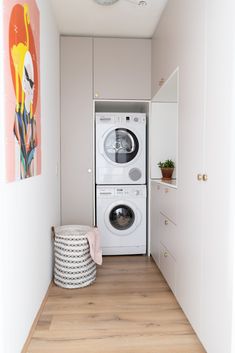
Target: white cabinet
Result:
[[76, 131], [113, 68], [204, 255], [170, 54], [164, 242], [122, 68]]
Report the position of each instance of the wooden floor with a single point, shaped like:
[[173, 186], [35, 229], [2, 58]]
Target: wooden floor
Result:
[[130, 309]]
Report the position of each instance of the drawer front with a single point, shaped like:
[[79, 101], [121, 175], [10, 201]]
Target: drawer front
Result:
[[168, 234], [169, 203], [155, 237], [155, 224], [168, 267]]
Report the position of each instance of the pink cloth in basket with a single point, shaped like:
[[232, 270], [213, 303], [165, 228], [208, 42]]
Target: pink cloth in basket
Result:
[[93, 237]]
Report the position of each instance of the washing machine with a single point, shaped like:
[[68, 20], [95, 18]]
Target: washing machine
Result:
[[121, 219], [120, 148]]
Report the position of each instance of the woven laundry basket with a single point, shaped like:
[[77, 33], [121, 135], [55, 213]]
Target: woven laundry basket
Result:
[[74, 267]]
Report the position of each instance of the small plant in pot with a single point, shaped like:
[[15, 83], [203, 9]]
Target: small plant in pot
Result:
[[167, 168]]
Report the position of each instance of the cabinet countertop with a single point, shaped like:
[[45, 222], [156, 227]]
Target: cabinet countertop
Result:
[[170, 183]]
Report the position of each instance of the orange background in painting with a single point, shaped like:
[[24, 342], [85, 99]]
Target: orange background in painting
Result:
[[13, 14], [17, 15]]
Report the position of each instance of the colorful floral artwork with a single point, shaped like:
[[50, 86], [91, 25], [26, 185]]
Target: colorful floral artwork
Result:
[[22, 89]]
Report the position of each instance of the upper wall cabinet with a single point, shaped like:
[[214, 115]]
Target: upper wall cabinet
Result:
[[122, 68], [162, 66]]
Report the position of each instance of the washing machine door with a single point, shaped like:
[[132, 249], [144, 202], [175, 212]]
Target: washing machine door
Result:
[[122, 218], [121, 146]]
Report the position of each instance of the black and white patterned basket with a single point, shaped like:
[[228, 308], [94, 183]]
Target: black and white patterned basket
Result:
[[74, 267]]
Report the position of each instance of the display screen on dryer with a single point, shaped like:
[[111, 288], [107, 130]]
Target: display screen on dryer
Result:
[[121, 145], [122, 217]]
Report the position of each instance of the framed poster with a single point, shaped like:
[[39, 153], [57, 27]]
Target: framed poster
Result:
[[22, 89]]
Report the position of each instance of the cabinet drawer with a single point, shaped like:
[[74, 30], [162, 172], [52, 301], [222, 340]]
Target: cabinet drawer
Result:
[[168, 267], [168, 234], [155, 223], [155, 236], [169, 203]]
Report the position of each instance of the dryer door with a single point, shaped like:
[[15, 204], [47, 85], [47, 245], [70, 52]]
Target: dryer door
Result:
[[122, 218], [121, 146]]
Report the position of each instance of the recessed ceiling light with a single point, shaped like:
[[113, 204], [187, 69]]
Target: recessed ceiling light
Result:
[[106, 2]]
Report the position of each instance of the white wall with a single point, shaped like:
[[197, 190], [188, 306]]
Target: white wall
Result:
[[1, 203], [30, 207], [232, 197]]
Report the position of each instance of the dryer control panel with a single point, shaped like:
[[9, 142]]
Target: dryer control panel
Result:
[[120, 118]]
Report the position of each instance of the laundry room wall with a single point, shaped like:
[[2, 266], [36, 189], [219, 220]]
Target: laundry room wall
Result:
[[1, 186], [29, 208]]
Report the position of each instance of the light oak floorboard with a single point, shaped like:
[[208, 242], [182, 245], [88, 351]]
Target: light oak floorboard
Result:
[[129, 309]]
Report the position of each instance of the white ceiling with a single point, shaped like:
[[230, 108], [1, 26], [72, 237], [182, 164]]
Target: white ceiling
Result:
[[123, 19]]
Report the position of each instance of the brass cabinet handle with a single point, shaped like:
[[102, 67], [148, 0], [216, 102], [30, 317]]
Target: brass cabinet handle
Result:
[[165, 254], [199, 177], [161, 82], [166, 222], [205, 177]]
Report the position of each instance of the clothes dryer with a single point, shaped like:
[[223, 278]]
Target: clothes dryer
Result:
[[120, 148]]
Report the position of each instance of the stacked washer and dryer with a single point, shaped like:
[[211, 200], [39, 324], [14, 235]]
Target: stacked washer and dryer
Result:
[[121, 182]]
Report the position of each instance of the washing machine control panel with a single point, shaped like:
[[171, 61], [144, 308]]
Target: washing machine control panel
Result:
[[121, 192], [128, 191], [105, 192]]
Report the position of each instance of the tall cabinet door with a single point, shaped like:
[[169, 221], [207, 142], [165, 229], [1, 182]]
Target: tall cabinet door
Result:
[[76, 131], [122, 68], [191, 138], [219, 154]]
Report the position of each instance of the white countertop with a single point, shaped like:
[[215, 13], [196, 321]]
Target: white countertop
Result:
[[170, 183]]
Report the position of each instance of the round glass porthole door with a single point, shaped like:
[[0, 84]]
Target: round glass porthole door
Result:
[[121, 217], [121, 145]]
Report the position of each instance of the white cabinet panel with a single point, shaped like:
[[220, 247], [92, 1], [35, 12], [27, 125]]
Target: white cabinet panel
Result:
[[122, 68], [169, 203], [163, 136], [173, 47], [217, 273], [168, 267], [76, 131], [155, 202], [162, 66], [168, 234]]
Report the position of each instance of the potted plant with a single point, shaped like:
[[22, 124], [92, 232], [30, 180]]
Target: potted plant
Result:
[[167, 168]]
